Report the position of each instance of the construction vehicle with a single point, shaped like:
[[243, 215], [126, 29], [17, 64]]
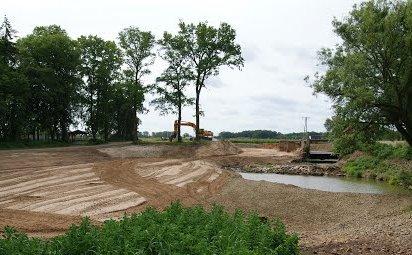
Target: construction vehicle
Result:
[[203, 134]]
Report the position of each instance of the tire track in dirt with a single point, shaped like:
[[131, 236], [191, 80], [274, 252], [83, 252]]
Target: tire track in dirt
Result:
[[67, 190], [163, 181], [56, 184]]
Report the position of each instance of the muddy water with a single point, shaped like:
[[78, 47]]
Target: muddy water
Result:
[[325, 183]]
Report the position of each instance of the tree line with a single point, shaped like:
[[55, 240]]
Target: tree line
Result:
[[50, 81], [269, 134]]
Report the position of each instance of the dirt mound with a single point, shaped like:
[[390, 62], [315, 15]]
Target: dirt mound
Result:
[[135, 151], [288, 146], [219, 148]]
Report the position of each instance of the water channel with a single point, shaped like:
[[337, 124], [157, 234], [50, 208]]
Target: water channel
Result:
[[326, 183]]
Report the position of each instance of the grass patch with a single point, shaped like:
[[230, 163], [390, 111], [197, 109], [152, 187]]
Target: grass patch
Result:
[[177, 230], [383, 162], [24, 144]]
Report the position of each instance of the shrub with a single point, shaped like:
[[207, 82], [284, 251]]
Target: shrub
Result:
[[386, 151], [176, 230], [383, 162]]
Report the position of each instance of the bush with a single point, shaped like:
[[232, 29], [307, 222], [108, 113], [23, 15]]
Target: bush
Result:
[[176, 230], [386, 151], [383, 162]]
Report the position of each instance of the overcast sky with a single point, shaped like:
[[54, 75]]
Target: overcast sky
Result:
[[279, 40]]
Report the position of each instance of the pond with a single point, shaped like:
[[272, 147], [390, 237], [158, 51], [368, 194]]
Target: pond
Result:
[[325, 183]]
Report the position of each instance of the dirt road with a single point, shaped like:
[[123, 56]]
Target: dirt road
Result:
[[43, 191]]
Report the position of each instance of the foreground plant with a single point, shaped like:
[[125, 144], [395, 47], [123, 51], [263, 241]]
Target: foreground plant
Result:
[[176, 230]]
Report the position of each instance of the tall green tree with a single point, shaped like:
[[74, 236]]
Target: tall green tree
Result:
[[123, 115], [51, 60], [208, 49], [13, 87], [138, 55], [171, 84], [369, 75], [100, 67], [8, 50]]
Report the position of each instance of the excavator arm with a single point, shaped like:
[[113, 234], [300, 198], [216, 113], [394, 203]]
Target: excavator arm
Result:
[[204, 134]]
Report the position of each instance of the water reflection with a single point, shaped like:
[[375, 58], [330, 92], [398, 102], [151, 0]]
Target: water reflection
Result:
[[324, 183]]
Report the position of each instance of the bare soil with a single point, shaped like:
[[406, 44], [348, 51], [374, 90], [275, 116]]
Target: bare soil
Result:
[[43, 191]]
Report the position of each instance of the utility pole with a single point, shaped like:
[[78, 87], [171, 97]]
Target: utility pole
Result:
[[305, 127], [305, 139]]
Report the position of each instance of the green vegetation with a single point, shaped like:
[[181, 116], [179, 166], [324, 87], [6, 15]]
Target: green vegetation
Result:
[[368, 76], [138, 56], [31, 144], [173, 81], [383, 162], [267, 134], [252, 140], [176, 230], [208, 49], [50, 81]]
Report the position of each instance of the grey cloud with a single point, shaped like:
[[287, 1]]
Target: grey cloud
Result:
[[215, 82], [300, 53], [273, 103], [250, 53], [270, 68], [230, 112]]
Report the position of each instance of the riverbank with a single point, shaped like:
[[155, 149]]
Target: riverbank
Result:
[[328, 222], [383, 162], [46, 190], [390, 164], [293, 169]]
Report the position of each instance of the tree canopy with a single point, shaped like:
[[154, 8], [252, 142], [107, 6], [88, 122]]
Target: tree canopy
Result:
[[100, 68], [50, 59], [171, 84], [13, 86], [208, 49], [369, 74], [138, 55]]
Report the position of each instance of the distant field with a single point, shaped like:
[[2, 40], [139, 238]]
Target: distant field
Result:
[[253, 140]]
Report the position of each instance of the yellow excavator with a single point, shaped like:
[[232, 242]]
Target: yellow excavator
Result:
[[203, 134]]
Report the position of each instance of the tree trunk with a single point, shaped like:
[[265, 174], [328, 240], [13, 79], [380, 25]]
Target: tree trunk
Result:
[[134, 128], [197, 115], [63, 127], [52, 133], [106, 133], [405, 134], [179, 120]]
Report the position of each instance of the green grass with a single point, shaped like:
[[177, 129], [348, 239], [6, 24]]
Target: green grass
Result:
[[25, 144], [177, 230], [383, 162]]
